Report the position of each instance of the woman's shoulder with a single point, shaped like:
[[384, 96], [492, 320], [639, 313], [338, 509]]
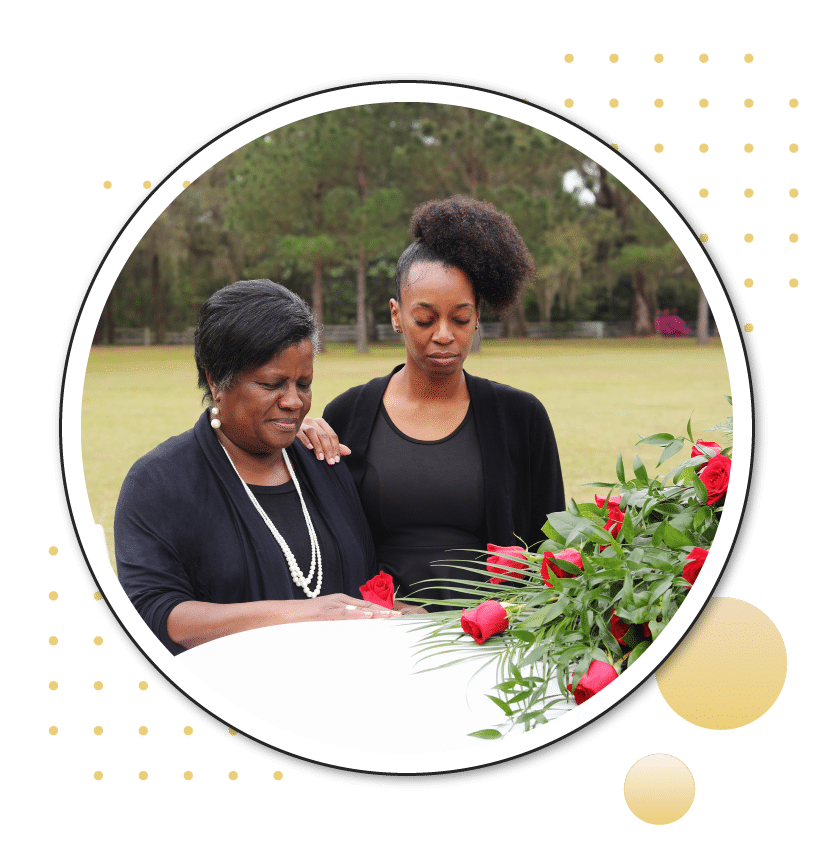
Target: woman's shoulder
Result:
[[364, 394], [173, 460], [485, 389]]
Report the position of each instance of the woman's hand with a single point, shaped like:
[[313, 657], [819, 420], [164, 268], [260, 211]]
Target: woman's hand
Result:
[[335, 607], [317, 434], [408, 609]]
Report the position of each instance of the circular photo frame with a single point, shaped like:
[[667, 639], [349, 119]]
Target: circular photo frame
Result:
[[354, 696]]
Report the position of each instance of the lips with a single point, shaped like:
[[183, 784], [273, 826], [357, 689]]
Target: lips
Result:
[[288, 425], [443, 360]]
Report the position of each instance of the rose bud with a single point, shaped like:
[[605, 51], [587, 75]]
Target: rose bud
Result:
[[380, 590], [499, 563], [613, 501], [598, 675], [550, 568], [488, 618], [697, 557], [712, 446]]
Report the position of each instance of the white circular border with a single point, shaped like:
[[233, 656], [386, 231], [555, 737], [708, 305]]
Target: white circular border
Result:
[[359, 757]]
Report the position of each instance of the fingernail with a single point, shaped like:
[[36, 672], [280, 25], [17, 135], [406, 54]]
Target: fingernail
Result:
[[368, 614], [337, 459], [319, 456], [384, 612], [394, 613], [349, 607]]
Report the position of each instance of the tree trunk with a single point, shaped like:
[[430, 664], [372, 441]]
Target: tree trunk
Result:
[[317, 298], [642, 320], [544, 296], [159, 304], [105, 331], [702, 319], [362, 326], [514, 322]]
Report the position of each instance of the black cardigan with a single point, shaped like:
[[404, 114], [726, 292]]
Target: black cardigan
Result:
[[522, 475], [186, 530]]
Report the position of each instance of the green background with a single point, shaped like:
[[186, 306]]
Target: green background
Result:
[[99, 91]]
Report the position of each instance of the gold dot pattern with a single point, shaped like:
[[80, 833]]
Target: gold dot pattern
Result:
[[53, 551], [53, 730], [143, 775], [793, 192], [98, 685], [748, 237], [703, 103], [793, 147], [232, 732], [278, 775], [658, 147], [98, 730], [188, 730], [658, 103], [613, 103], [98, 596], [569, 58], [107, 185], [748, 282], [748, 193], [704, 58], [704, 238], [704, 192], [659, 789], [793, 282], [233, 775], [748, 103], [142, 730], [793, 238], [98, 775], [615, 146], [142, 685], [748, 57], [53, 686], [658, 58], [749, 327], [147, 185], [569, 103], [748, 147], [188, 775], [97, 641], [53, 595], [729, 669], [53, 640], [704, 147], [185, 184], [613, 58], [793, 103]]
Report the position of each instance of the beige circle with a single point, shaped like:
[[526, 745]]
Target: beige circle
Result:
[[233, 775], [188, 730], [748, 237], [793, 238], [658, 103], [107, 184], [704, 147], [97, 641], [98, 730], [143, 775], [748, 193], [185, 184], [147, 185], [658, 147], [793, 103], [613, 103], [232, 732], [613, 58], [278, 775], [53, 639], [793, 282], [98, 596], [569, 103], [142, 686], [703, 103], [188, 775], [98, 685], [749, 327], [142, 730], [658, 58], [53, 730], [569, 58], [748, 103], [98, 775], [53, 686], [53, 551], [748, 58], [615, 146], [729, 669], [704, 238], [748, 147], [659, 789], [793, 147], [704, 192], [53, 595], [793, 192], [748, 282], [704, 58]]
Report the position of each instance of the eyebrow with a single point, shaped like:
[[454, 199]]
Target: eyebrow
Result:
[[432, 306]]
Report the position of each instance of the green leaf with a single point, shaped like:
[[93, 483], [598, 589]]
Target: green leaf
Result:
[[701, 492], [640, 470], [670, 450], [549, 531], [638, 651], [689, 429], [501, 704], [628, 530], [486, 734], [674, 538], [620, 469], [661, 439], [657, 537], [524, 635]]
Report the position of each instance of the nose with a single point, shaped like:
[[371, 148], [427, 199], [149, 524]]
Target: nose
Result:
[[290, 399], [443, 333]]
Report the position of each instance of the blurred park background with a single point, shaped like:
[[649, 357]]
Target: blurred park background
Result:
[[613, 335]]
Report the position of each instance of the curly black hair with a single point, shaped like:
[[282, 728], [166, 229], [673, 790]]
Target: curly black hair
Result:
[[472, 236]]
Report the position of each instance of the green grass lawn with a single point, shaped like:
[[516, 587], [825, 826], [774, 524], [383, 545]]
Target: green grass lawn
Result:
[[601, 395]]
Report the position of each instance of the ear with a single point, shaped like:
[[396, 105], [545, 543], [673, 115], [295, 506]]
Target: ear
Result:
[[395, 310], [212, 386]]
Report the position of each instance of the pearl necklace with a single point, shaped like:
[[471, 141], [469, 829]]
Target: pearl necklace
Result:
[[316, 559]]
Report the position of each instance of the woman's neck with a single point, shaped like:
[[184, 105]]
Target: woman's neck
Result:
[[417, 386], [256, 469]]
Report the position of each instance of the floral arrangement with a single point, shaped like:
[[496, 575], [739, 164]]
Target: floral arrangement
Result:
[[563, 620]]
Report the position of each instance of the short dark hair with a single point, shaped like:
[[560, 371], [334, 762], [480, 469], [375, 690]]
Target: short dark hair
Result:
[[242, 326], [472, 236]]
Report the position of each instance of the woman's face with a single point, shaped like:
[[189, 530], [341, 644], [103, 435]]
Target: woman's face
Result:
[[438, 316], [262, 410]]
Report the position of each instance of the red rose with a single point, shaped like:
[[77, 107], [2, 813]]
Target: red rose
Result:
[[618, 628], [596, 677], [697, 557], [713, 446], [488, 618], [549, 567], [614, 501], [715, 477], [499, 563], [380, 589], [616, 516]]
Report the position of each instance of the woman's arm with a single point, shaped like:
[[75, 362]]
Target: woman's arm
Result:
[[318, 435], [193, 622]]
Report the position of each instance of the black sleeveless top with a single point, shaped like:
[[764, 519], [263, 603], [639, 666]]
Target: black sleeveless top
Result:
[[424, 501]]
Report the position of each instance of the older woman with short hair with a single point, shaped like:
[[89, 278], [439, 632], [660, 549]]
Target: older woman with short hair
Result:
[[233, 525]]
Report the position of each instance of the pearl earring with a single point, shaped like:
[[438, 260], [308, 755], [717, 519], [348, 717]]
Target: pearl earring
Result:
[[214, 422]]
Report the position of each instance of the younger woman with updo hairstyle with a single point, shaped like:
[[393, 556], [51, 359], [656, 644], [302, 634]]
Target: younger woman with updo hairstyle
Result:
[[443, 459]]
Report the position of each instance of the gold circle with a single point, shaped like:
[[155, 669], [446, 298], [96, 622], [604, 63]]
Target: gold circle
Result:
[[569, 103], [793, 147], [97, 641], [658, 58], [142, 730], [98, 596], [53, 730], [98, 775], [658, 103], [658, 147], [188, 730], [748, 58], [98, 730], [232, 732], [278, 775], [748, 103], [704, 192], [793, 238], [615, 146], [793, 103], [703, 103], [748, 147], [143, 776], [748, 193], [53, 639], [188, 775], [107, 184], [748, 237], [613, 103], [53, 595], [613, 58], [704, 238], [147, 185], [735, 648], [793, 192], [142, 686], [659, 789], [569, 58], [793, 282], [748, 282], [704, 58], [749, 327], [98, 685], [53, 686], [704, 147], [233, 775], [53, 551], [185, 184]]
